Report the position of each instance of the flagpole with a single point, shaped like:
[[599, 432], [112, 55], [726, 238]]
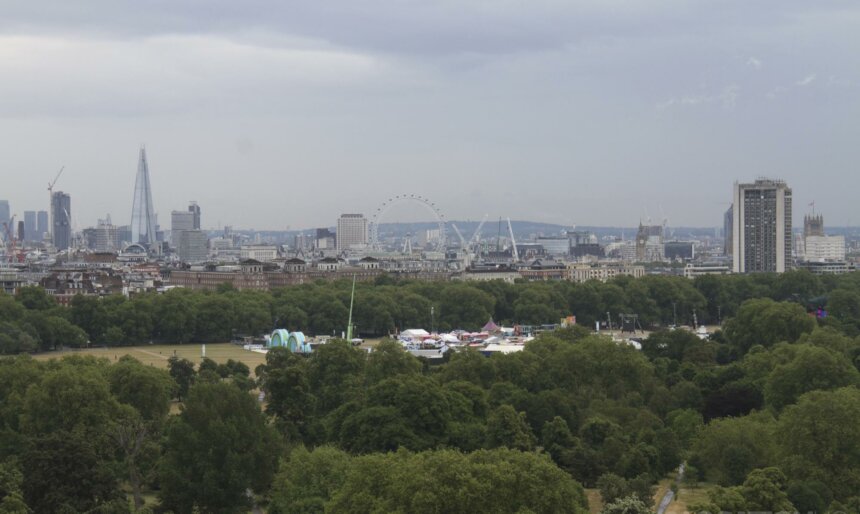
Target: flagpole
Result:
[[349, 325]]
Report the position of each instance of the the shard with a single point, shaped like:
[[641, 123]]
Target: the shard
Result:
[[142, 215]]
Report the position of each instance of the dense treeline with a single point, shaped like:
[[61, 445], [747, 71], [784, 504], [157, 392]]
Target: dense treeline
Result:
[[767, 409], [33, 321]]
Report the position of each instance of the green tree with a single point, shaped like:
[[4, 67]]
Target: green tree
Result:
[[174, 316], [819, 439], [182, 372], [335, 373], [285, 381], [145, 388], [11, 492], [35, 298], [389, 359], [627, 505], [811, 369], [765, 322], [66, 472], [502, 481], [219, 447], [464, 307], [728, 449], [508, 428], [764, 490], [214, 319], [307, 480]]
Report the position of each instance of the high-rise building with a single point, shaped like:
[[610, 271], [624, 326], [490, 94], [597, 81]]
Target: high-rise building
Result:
[[351, 231], [5, 212], [193, 246], [324, 239], [106, 236], [180, 221], [30, 226], [61, 211], [727, 230], [41, 225], [194, 209], [142, 216], [761, 227]]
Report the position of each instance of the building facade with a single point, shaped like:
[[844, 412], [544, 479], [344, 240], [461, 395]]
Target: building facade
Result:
[[824, 248], [30, 232], [193, 246], [351, 231], [180, 221], [106, 237], [194, 209], [142, 215], [761, 227], [41, 225], [584, 272], [61, 207], [261, 253], [728, 229], [5, 212]]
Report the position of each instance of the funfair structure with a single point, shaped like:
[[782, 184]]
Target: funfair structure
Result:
[[295, 342]]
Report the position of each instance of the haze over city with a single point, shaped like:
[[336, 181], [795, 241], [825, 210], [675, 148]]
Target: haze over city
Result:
[[287, 114]]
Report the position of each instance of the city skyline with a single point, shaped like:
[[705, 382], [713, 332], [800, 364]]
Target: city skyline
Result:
[[608, 112]]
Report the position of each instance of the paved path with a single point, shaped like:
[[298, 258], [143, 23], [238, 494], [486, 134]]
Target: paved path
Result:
[[670, 495]]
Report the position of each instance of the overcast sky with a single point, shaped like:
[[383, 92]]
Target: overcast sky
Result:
[[275, 114]]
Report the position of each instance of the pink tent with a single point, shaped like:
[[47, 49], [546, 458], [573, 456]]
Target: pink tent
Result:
[[490, 326]]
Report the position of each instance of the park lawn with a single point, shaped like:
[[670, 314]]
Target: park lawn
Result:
[[157, 354]]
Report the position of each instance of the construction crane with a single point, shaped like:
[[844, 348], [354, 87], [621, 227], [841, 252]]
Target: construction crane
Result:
[[476, 237], [11, 241], [460, 235], [51, 202], [515, 253]]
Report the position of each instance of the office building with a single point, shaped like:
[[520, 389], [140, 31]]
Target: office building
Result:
[[727, 230], [824, 248], [324, 239], [554, 246], [351, 231], [5, 212], [262, 253], [106, 237], [679, 250], [142, 215], [761, 227], [41, 225], [180, 221], [584, 244], [194, 209], [61, 212], [193, 246], [30, 232]]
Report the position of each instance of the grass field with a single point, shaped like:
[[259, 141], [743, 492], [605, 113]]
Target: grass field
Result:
[[157, 354]]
